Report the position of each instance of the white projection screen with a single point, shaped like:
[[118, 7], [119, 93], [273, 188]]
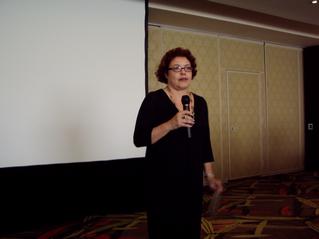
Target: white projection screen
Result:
[[72, 78]]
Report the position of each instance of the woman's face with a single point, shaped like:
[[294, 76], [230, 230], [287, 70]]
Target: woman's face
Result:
[[179, 75]]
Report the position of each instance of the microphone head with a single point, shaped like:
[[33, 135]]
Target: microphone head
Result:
[[185, 100]]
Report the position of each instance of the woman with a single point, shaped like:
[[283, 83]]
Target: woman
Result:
[[177, 160]]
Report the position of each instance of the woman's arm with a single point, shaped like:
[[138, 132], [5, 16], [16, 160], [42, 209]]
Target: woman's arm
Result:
[[160, 131]]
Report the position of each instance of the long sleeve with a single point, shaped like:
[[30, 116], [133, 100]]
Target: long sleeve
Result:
[[144, 124], [207, 147]]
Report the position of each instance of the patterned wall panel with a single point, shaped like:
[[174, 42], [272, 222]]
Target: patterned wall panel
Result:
[[155, 52], [206, 82], [283, 94], [241, 55]]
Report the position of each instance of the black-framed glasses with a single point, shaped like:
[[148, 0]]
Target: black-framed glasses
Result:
[[179, 68]]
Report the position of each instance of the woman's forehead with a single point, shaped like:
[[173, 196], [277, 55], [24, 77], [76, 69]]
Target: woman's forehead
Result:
[[180, 60]]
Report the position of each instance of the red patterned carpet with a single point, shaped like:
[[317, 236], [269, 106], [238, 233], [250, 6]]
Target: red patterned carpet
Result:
[[276, 207]]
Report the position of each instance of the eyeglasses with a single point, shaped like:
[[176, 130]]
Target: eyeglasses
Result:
[[179, 68]]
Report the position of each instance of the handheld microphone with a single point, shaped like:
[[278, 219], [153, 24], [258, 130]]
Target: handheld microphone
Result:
[[186, 106]]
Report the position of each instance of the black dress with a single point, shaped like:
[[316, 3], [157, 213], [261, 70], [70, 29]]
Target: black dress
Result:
[[175, 173]]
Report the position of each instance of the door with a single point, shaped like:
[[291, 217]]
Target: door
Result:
[[245, 129]]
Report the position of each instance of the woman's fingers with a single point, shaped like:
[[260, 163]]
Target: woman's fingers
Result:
[[187, 118], [183, 119]]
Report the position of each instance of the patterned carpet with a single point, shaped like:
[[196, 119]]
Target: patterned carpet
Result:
[[276, 207]]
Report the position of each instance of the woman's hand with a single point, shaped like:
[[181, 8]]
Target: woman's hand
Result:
[[215, 184], [182, 119]]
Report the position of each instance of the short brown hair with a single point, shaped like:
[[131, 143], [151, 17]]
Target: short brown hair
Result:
[[168, 57]]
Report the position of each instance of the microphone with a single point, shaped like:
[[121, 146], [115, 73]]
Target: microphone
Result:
[[186, 102]]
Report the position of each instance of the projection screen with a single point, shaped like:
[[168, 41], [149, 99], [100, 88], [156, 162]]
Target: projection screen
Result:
[[72, 79]]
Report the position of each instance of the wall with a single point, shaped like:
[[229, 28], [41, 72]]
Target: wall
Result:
[[285, 111], [253, 91]]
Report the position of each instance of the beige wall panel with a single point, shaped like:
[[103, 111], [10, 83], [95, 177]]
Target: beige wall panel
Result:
[[155, 52], [241, 55], [206, 83], [283, 97]]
